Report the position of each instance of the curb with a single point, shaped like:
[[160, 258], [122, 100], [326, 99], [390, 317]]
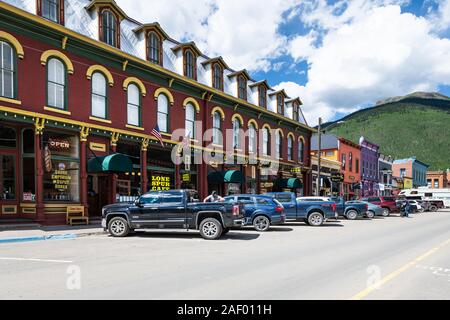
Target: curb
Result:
[[39, 238]]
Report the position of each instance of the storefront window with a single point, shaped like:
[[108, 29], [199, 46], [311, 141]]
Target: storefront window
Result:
[[7, 177], [7, 137], [61, 167]]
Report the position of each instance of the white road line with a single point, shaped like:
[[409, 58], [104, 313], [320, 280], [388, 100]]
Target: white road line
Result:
[[36, 260]]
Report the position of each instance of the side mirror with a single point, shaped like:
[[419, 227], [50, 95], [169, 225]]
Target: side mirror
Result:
[[138, 203]]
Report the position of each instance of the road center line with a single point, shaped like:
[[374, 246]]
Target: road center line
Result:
[[36, 260], [399, 271]]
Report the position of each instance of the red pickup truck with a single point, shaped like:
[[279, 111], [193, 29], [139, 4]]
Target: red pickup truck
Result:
[[387, 203]]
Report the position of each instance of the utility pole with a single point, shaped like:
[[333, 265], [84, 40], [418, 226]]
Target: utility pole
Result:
[[319, 158]]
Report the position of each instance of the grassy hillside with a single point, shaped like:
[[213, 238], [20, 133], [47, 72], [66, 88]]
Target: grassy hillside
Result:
[[409, 127]]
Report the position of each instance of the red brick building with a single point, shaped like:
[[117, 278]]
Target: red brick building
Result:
[[78, 107]]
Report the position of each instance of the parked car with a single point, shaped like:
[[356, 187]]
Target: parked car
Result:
[[429, 206], [372, 209], [176, 209], [387, 203], [350, 210], [314, 211], [260, 211]]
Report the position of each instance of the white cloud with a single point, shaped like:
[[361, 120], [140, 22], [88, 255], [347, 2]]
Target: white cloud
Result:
[[244, 32], [381, 52]]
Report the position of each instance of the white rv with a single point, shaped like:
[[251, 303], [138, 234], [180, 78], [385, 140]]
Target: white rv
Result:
[[428, 194]]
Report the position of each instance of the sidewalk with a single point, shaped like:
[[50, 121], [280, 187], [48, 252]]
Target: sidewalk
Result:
[[15, 234]]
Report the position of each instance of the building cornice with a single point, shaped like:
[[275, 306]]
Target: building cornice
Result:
[[150, 66]]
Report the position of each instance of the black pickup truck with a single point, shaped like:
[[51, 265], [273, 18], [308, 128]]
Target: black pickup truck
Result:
[[175, 209]]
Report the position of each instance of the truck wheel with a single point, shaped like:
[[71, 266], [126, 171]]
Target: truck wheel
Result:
[[433, 208], [261, 223], [118, 227], [315, 219], [210, 229], [386, 212], [370, 214], [352, 215]]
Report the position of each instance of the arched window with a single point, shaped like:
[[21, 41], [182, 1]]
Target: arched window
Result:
[[279, 142], [217, 128], [262, 97], [217, 77], [280, 104], [301, 147], [266, 142], [236, 130], [109, 28], [50, 10], [252, 138], [190, 121], [154, 48], [242, 88], [163, 113], [7, 70], [189, 64], [99, 95], [290, 148], [134, 105], [56, 84]]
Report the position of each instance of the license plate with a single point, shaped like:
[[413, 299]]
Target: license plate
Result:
[[103, 223]]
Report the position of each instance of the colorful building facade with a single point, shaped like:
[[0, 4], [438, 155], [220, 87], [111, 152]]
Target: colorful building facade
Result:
[[369, 168], [411, 168], [86, 88], [437, 179], [348, 154]]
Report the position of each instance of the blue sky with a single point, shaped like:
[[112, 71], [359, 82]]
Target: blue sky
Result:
[[337, 56]]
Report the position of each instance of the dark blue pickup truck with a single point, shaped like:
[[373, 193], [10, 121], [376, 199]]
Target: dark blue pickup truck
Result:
[[350, 210], [312, 211], [175, 209]]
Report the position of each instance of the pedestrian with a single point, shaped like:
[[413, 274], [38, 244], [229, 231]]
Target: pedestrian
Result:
[[406, 209], [214, 197]]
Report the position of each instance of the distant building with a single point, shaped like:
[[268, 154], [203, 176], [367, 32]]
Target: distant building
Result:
[[369, 167], [437, 179], [349, 155], [411, 168], [386, 183]]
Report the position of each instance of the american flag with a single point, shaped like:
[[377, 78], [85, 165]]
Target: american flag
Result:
[[157, 134]]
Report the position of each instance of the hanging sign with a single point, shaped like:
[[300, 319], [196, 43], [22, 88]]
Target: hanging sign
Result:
[[59, 144]]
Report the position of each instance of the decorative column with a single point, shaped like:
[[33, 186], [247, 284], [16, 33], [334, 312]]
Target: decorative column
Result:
[[114, 139], [38, 130], [84, 134], [144, 177]]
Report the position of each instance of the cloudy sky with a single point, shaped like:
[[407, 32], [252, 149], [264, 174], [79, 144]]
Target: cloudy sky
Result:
[[338, 56]]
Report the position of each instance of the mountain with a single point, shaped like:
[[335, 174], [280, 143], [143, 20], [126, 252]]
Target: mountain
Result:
[[414, 125]]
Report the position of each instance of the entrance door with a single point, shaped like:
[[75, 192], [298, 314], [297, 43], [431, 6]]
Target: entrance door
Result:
[[98, 194]]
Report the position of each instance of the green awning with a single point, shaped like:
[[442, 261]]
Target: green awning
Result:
[[115, 163], [292, 183], [230, 176]]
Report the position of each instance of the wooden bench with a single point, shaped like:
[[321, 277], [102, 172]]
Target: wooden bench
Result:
[[75, 216]]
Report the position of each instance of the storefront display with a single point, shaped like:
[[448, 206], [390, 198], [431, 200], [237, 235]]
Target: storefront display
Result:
[[7, 177], [61, 167]]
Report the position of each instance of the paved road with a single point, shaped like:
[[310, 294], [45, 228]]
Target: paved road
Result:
[[391, 258]]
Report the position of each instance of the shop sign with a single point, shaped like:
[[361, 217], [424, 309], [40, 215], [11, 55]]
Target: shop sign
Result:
[[267, 185], [61, 178], [296, 170], [186, 177], [59, 144], [337, 178], [159, 183]]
